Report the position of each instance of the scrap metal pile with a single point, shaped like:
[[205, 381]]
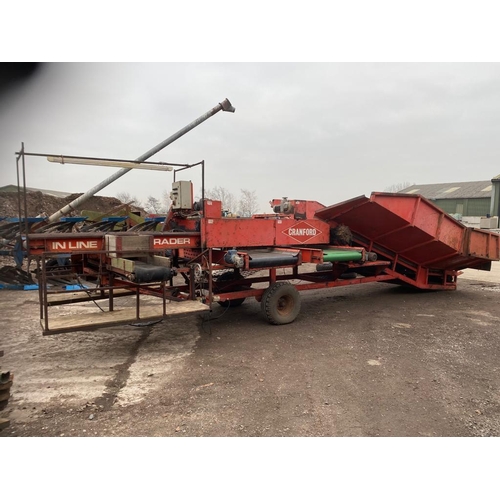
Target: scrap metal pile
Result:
[[13, 229]]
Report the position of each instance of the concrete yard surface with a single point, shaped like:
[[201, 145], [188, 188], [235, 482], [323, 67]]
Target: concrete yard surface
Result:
[[363, 360]]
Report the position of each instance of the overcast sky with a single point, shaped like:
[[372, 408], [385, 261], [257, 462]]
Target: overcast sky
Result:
[[318, 131]]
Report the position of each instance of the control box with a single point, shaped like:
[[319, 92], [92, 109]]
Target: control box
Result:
[[182, 194]]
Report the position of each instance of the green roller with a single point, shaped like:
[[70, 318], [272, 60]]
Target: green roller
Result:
[[341, 255]]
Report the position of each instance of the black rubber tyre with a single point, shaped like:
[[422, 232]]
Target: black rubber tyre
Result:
[[225, 277], [281, 303]]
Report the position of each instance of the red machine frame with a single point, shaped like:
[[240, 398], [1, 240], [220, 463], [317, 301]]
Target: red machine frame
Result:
[[206, 258]]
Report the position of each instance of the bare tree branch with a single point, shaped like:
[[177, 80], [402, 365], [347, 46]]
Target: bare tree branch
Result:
[[227, 199], [153, 205], [125, 197], [248, 204], [395, 188]]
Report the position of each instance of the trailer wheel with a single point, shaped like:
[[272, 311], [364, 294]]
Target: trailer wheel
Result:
[[281, 303], [225, 277]]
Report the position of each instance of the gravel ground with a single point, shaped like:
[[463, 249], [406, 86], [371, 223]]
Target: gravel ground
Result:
[[365, 360]]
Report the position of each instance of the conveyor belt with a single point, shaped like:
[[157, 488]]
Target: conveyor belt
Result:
[[271, 258], [149, 273]]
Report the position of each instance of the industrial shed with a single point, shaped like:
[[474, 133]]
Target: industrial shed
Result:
[[469, 199]]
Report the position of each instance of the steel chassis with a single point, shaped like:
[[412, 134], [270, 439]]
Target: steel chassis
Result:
[[203, 246]]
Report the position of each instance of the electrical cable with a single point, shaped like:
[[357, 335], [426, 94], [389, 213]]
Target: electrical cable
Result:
[[86, 290], [207, 320]]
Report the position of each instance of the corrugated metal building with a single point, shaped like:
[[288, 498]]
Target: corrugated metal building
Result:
[[465, 198]]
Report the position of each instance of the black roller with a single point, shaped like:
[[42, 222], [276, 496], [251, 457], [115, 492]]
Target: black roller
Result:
[[271, 261], [147, 273], [326, 266]]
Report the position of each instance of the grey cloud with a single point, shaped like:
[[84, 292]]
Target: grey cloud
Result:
[[318, 131]]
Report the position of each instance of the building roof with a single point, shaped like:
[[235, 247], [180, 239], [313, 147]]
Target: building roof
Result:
[[474, 189], [12, 188]]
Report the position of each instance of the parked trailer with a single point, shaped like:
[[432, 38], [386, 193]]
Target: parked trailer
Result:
[[199, 258]]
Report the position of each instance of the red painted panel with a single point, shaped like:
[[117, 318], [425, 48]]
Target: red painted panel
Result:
[[233, 232], [424, 215], [247, 233], [213, 209], [174, 240], [404, 239], [73, 243], [302, 232], [483, 244], [403, 207]]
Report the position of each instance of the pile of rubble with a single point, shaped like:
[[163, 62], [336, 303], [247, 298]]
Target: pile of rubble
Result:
[[39, 203]]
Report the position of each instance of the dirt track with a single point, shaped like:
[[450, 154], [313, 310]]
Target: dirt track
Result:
[[366, 360]]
